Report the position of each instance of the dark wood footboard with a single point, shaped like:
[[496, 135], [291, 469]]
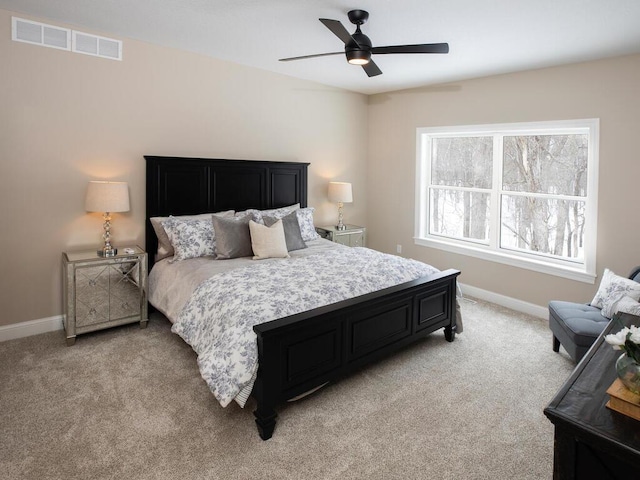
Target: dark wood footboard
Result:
[[303, 351]]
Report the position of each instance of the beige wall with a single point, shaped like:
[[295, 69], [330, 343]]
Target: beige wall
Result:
[[67, 118], [608, 90]]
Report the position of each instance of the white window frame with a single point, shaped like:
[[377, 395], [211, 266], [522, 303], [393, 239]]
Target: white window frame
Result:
[[581, 271]]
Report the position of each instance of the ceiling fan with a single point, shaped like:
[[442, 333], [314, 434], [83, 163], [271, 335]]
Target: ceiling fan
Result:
[[358, 48]]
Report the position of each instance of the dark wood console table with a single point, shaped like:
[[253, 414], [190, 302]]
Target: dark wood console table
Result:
[[592, 441]]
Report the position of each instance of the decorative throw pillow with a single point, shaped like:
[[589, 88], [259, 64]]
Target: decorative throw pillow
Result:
[[307, 228], [233, 238], [274, 212], [291, 230], [268, 242], [165, 249], [613, 287], [625, 304], [190, 238]]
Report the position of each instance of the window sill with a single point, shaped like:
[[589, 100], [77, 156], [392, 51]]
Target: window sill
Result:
[[511, 260]]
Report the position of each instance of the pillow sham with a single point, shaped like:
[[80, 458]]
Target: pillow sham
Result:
[[274, 212], [233, 238], [291, 228], [165, 249], [305, 220], [268, 242], [613, 287], [190, 238]]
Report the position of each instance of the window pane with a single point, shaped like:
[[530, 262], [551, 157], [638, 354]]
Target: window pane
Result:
[[548, 226], [462, 162], [554, 164], [459, 214]]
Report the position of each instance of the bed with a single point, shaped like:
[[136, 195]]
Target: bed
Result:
[[296, 353]]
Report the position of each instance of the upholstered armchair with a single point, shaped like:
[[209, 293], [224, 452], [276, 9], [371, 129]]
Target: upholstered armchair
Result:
[[576, 326]]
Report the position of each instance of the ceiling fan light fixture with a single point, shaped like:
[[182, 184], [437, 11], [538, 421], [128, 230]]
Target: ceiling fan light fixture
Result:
[[358, 57]]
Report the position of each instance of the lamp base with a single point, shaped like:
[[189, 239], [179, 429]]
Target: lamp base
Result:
[[340, 225], [107, 252]]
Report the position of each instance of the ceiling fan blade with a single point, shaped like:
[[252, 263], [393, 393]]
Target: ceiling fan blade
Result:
[[422, 48], [338, 30], [310, 56], [372, 69]]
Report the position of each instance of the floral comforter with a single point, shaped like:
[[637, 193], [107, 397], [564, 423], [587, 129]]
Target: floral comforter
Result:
[[218, 319]]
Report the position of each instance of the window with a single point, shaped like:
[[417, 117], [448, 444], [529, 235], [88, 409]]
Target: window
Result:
[[520, 194]]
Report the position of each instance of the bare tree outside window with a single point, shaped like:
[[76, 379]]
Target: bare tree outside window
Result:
[[465, 163], [521, 189], [545, 167]]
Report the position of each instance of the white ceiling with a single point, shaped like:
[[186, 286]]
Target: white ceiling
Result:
[[485, 37]]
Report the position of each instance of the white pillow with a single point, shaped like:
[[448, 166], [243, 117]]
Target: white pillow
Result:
[[307, 228], [612, 288], [268, 242]]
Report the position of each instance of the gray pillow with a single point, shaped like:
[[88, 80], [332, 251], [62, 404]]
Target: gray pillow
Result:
[[233, 238], [292, 233]]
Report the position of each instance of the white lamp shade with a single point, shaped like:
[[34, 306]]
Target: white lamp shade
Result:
[[107, 197], [340, 192]]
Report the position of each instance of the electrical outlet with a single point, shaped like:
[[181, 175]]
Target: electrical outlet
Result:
[[398, 248]]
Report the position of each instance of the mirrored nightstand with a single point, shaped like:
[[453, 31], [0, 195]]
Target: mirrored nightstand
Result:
[[351, 236], [102, 292]]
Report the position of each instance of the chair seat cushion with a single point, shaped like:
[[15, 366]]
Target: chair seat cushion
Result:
[[582, 323]]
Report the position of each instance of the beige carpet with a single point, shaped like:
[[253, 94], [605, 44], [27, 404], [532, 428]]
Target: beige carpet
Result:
[[130, 404]]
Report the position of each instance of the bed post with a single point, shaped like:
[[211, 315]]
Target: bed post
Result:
[[263, 389], [451, 329], [266, 421]]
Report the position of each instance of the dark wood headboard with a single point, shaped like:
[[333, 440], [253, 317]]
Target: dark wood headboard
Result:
[[188, 186]]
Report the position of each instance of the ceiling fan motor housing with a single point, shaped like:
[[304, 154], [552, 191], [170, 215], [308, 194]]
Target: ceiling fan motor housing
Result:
[[359, 51]]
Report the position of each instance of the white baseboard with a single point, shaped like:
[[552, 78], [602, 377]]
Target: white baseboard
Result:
[[51, 324], [32, 327], [504, 301]]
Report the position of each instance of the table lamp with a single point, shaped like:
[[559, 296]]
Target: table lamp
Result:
[[340, 193], [107, 197]]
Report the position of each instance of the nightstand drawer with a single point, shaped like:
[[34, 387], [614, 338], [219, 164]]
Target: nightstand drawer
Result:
[[92, 295], [351, 236], [351, 239]]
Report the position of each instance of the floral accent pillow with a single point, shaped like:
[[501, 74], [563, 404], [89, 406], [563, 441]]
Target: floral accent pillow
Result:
[[612, 289], [190, 238], [276, 213], [624, 305], [305, 220], [165, 249]]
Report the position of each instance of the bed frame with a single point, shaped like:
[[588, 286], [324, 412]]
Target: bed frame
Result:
[[305, 351]]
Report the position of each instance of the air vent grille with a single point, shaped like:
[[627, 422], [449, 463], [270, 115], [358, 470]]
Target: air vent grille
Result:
[[45, 35], [83, 43], [55, 37], [97, 46], [110, 48], [40, 34]]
